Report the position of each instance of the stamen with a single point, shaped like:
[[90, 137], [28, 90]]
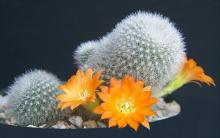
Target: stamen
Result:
[[84, 94], [126, 106]]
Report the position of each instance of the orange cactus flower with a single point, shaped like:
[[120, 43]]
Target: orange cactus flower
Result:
[[189, 72], [126, 102], [79, 89]]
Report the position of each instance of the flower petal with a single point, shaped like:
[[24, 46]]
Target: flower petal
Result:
[[121, 123], [111, 123], [103, 96], [106, 115], [146, 112], [74, 105], [145, 123], [133, 124], [137, 117], [65, 98], [98, 110]]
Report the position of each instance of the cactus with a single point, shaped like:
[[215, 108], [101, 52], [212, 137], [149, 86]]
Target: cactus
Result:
[[31, 98], [144, 45], [84, 51]]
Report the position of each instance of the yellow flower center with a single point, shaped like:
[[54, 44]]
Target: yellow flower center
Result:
[[84, 94], [125, 106]]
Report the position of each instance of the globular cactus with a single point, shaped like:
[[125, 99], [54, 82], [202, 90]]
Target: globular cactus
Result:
[[31, 99], [84, 51], [144, 45]]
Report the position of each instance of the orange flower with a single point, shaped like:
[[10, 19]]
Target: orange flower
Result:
[[126, 102], [189, 72], [79, 89]]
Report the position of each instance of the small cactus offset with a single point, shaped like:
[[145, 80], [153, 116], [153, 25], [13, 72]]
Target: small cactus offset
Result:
[[84, 51], [32, 98], [144, 45]]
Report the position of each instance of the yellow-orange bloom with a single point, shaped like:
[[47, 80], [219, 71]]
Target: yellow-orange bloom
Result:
[[189, 72], [79, 89], [126, 102], [192, 72]]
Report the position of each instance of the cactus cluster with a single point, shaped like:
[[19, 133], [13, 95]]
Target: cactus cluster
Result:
[[31, 98], [144, 45]]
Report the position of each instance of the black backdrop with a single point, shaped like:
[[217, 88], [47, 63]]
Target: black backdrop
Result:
[[44, 33]]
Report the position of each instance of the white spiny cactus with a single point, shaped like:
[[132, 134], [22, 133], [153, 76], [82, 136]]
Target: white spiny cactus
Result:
[[31, 98], [144, 45], [84, 51]]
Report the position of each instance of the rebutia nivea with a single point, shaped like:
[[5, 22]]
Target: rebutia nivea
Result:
[[32, 98], [144, 45]]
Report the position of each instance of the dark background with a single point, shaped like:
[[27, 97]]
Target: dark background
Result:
[[44, 33]]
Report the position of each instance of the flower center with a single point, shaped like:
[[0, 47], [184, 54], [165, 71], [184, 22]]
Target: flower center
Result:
[[84, 94], [126, 106]]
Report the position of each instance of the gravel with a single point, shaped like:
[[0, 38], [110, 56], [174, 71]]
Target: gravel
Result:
[[76, 120], [63, 125], [101, 124], [90, 124]]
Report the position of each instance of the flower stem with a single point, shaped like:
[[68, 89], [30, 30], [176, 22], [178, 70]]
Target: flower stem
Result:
[[175, 84], [91, 105]]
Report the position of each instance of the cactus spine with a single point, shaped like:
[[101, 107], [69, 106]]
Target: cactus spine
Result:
[[31, 98], [144, 45]]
